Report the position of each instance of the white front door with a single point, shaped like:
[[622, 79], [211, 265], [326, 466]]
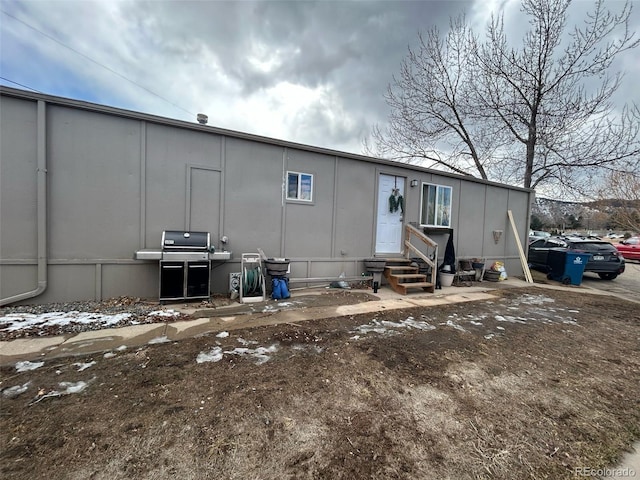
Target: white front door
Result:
[[390, 215]]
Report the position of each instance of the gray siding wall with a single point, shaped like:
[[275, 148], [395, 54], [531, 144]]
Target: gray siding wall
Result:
[[115, 182], [253, 197], [18, 165], [94, 185]]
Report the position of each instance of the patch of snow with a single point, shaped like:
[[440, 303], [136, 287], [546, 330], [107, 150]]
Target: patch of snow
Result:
[[213, 355], [509, 319], [27, 365], [121, 348], [477, 324], [529, 299], [162, 339], [223, 335], [84, 366], [21, 321], [455, 325], [286, 304], [69, 388], [13, 392], [72, 387], [411, 323], [386, 327], [388, 324], [109, 355], [242, 341], [374, 326], [261, 354]]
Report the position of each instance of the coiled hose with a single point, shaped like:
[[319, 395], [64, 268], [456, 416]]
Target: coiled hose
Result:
[[252, 281]]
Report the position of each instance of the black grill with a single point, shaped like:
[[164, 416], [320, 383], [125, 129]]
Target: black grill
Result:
[[185, 267], [179, 240]]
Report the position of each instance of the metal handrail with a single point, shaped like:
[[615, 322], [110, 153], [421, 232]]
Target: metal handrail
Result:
[[411, 230]]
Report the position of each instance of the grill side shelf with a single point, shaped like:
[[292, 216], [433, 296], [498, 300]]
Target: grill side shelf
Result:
[[148, 254], [156, 254]]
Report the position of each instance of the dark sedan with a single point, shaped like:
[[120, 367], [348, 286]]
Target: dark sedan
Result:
[[605, 259]]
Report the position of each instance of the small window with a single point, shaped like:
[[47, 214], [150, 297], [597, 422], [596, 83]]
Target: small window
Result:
[[435, 209], [299, 186]]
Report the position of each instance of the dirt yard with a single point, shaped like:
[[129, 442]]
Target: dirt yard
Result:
[[533, 384]]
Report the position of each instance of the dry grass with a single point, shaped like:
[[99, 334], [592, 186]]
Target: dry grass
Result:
[[533, 403]]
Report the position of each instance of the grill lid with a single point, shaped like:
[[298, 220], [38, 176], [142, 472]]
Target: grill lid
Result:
[[183, 240]]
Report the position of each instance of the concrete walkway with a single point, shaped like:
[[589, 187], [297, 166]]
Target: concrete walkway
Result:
[[245, 316], [237, 318]]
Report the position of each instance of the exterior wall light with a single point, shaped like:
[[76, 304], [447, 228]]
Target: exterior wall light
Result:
[[496, 236], [414, 183]]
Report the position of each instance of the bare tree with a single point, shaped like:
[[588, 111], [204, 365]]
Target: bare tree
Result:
[[537, 115], [432, 106], [622, 191]]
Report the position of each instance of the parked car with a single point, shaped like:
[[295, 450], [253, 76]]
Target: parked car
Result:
[[605, 259], [630, 248], [539, 233], [536, 234]]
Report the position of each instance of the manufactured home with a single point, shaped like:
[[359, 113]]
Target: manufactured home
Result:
[[87, 192]]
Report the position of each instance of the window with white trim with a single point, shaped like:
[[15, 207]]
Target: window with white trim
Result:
[[435, 207], [300, 186]]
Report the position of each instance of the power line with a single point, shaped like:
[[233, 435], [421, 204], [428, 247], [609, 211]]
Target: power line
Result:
[[94, 61], [18, 83]]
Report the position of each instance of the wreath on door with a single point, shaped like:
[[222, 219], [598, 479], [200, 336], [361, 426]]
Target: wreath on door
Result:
[[396, 201]]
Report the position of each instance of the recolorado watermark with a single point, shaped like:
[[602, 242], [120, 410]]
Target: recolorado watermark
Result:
[[604, 472]]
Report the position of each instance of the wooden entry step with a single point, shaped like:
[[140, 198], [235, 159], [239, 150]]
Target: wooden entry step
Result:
[[403, 275], [399, 269]]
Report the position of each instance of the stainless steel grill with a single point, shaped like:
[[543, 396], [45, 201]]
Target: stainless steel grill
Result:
[[185, 267]]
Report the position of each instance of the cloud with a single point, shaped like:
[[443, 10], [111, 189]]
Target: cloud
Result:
[[310, 72]]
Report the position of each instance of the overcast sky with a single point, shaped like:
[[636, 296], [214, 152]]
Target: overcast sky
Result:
[[308, 72]]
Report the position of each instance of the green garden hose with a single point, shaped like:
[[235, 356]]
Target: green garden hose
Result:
[[252, 281]]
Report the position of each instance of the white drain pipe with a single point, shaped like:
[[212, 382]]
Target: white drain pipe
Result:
[[41, 209]]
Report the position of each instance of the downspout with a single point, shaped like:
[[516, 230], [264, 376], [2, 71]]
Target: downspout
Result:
[[41, 210]]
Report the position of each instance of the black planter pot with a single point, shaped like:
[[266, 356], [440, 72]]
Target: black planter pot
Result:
[[277, 268], [375, 265]]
